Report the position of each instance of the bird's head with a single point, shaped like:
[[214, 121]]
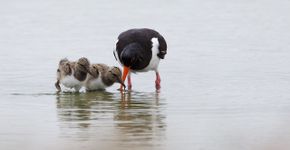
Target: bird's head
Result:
[[115, 75], [131, 55], [83, 65]]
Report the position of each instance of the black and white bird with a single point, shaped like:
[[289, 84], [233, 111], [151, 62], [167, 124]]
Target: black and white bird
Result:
[[140, 50]]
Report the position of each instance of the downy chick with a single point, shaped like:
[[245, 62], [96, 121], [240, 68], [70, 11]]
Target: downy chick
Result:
[[72, 74], [102, 76]]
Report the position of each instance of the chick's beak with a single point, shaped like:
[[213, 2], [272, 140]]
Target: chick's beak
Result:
[[119, 80]]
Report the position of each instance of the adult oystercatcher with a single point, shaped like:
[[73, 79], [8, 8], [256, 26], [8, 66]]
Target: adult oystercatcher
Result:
[[140, 50]]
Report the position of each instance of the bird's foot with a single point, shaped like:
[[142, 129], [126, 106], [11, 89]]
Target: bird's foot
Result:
[[122, 88]]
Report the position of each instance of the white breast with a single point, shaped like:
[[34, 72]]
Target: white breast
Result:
[[95, 84], [154, 62], [70, 82]]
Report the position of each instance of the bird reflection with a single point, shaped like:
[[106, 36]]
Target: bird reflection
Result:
[[130, 116], [139, 118], [80, 107]]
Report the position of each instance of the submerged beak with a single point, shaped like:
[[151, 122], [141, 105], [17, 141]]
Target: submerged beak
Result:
[[125, 73]]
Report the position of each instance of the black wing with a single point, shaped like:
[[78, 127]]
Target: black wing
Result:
[[162, 47], [142, 36]]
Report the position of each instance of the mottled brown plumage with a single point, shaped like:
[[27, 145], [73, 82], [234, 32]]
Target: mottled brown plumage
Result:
[[102, 76], [72, 74], [81, 67]]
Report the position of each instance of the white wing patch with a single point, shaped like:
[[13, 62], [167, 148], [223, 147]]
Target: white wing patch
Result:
[[154, 62]]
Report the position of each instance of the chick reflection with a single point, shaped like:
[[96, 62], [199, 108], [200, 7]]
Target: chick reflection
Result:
[[140, 118], [81, 108], [103, 116]]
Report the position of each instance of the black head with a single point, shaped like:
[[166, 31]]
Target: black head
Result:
[[135, 56]]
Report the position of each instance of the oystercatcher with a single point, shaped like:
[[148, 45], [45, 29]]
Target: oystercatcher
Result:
[[102, 76], [72, 74], [140, 50]]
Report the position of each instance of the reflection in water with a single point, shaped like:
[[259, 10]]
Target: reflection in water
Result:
[[78, 107], [131, 118], [140, 118]]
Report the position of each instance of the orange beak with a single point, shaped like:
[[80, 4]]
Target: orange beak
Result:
[[125, 73]]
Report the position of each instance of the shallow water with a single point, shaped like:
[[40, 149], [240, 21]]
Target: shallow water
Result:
[[225, 79]]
